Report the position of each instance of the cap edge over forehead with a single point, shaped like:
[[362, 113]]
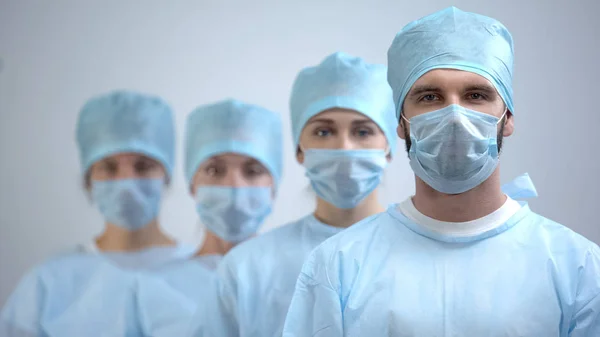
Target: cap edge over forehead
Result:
[[448, 39]]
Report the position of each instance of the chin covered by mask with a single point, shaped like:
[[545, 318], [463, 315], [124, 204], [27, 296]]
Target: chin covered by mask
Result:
[[128, 203], [454, 149], [344, 178], [233, 213]]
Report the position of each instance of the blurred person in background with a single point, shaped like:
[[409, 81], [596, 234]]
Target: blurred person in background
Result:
[[126, 143]]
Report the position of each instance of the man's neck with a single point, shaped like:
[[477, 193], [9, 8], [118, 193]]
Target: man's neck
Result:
[[337, 217], [471, 205], [214, 245], [118, 239]]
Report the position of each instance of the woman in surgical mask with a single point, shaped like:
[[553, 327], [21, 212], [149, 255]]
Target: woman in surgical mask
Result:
[[234, 160], [343, 126], [126, 145], [233, 165]]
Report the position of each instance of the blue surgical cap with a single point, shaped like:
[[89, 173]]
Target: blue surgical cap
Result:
[[232, 126], [451, 39], [124, 121], [347, 82]]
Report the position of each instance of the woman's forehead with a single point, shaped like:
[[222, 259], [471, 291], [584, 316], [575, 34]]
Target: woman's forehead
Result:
[[231, 158], [127, 157], [339, 115]]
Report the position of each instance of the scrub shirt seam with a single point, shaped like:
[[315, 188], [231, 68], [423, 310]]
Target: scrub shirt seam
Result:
[[231, 305], [597, 295], [508, 225], [317, 282], [589, 252]]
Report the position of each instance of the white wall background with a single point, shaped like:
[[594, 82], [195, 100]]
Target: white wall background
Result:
[[56, 54]]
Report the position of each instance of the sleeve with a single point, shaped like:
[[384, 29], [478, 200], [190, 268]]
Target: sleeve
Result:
[[221, 316], [20, 316], [586, 320], [316, 308]]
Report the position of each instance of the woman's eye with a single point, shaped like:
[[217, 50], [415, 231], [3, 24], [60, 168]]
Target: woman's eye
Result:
[[255, 170], [322, 132], [143, 167], [214, 171], [109, 167], [363, 132]]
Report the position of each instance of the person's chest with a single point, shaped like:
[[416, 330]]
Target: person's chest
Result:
[[103, 302], [266, 295], [464, 291]]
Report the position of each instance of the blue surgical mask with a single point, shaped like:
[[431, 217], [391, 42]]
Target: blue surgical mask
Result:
[[454, 149], [344, 178], [233, 213], [128, 203]]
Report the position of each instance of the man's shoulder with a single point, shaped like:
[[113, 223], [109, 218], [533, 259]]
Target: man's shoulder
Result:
[[559, 236]]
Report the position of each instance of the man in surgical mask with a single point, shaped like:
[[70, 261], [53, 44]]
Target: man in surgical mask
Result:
[[460, 257]]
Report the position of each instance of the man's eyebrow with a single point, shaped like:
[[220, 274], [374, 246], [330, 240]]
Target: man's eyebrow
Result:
[[488, 89], [420, 89]]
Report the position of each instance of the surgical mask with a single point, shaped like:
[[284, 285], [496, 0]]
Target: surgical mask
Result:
[[454, 149], [128, 203], [344, 178], [233, 213]]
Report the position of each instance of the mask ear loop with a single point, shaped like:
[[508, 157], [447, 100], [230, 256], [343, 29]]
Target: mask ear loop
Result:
[[405, 119], [301, 148], [388, 151], [504, 114]]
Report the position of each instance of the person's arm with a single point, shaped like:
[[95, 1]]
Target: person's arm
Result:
[[316, 308], [586, 319], [20, 316]]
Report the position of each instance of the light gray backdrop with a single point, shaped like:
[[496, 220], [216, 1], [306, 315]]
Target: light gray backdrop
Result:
[[55, 54]]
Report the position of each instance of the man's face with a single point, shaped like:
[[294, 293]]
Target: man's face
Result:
[[440, 88]]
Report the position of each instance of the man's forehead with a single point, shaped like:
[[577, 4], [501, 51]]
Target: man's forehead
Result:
[[445, 79]]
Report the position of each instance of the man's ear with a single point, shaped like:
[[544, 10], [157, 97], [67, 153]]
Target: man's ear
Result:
[[400, 130], [509, 125]]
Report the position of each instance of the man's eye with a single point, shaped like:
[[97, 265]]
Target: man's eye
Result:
[[429, 98], [476, 96]]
